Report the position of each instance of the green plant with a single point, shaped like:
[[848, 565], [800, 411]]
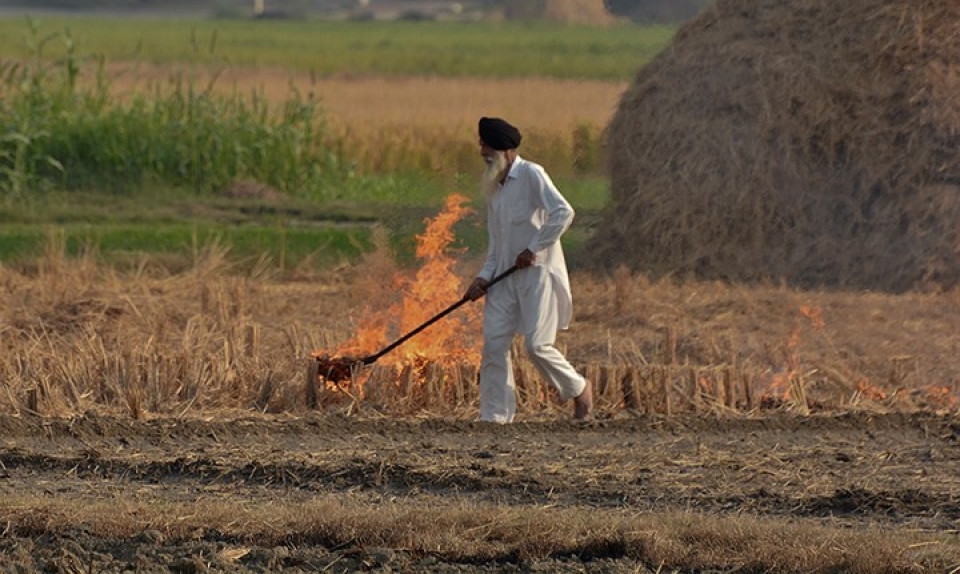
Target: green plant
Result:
[[64, 133], [22, 99]]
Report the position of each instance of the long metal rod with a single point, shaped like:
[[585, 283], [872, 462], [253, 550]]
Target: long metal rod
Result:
[[372, 358]]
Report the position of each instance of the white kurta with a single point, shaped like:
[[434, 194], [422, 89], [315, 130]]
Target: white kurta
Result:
[[527, 212]]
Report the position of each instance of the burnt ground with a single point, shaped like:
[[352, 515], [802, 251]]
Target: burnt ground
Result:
[[900, 471]]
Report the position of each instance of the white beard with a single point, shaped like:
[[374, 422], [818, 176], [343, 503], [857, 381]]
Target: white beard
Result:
[[496, 166]]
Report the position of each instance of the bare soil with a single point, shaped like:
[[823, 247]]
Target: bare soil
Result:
[[895, 471]]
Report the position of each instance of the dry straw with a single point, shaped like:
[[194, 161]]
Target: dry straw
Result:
[[810, 141], [78, 336]]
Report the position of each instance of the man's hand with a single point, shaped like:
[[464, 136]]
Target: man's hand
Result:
[[477, 289], [525, 259]]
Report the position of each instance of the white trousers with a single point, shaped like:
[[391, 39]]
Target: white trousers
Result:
[[522, 303]]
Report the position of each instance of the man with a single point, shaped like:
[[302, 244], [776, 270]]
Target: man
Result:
[[526, 215]]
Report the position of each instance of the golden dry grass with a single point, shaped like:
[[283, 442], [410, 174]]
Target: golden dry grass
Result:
[[370, 102], [810, 141], [467, 532], [78, 335], [421, 122]]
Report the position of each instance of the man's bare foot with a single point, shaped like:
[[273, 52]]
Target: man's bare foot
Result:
[[583, 405]]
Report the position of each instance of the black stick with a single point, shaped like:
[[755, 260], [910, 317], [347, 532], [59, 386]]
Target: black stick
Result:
[[372, 358]]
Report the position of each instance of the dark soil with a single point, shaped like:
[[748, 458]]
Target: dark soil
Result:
[[898, 471]]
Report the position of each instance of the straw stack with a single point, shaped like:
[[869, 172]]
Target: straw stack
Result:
[[814, 142]]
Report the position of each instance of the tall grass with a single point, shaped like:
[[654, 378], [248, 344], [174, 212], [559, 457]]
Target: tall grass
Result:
[[69, 128], [62, 134], [122, 165]]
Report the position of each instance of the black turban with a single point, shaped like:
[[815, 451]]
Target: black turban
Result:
[[499, 134]]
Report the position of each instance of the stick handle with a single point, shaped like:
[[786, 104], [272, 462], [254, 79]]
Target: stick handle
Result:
[[503, 275], [372, 358]]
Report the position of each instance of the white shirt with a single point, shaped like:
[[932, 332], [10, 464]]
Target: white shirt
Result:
[[528, 212]]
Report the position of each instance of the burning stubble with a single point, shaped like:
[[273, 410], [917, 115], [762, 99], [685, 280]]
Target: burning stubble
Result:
[[435, 286]]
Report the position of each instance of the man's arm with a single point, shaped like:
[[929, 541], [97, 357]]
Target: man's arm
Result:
[[560, 213]]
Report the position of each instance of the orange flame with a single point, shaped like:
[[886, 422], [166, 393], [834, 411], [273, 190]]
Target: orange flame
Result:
[[434, 287], [867, 390], [814, 315], [777, 387], [705, 386], [941, 396]]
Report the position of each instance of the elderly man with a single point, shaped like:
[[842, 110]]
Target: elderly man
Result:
[[526, 215]]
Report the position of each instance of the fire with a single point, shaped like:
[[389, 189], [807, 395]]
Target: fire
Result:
[[869, 391], [705, 386], [814, 315], [783, 385], [941, 396], [434, 287]]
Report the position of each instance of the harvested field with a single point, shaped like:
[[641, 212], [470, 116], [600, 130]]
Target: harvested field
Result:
[[80, 335], [161, 424], [165, 421], [856, 493]]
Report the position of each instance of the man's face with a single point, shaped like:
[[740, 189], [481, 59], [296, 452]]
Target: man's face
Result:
[[487, 153], [496, 165]]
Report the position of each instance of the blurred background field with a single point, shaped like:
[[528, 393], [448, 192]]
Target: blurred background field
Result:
[[317, 121], [391, 49], [565, 11]]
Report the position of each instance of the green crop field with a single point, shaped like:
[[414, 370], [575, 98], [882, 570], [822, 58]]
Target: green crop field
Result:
[[126, 170], [381, 48]]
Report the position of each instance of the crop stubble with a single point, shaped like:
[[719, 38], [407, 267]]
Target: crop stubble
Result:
[[227, 468]]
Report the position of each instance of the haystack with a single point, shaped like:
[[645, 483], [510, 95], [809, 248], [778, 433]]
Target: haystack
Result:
[[813, 142]]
